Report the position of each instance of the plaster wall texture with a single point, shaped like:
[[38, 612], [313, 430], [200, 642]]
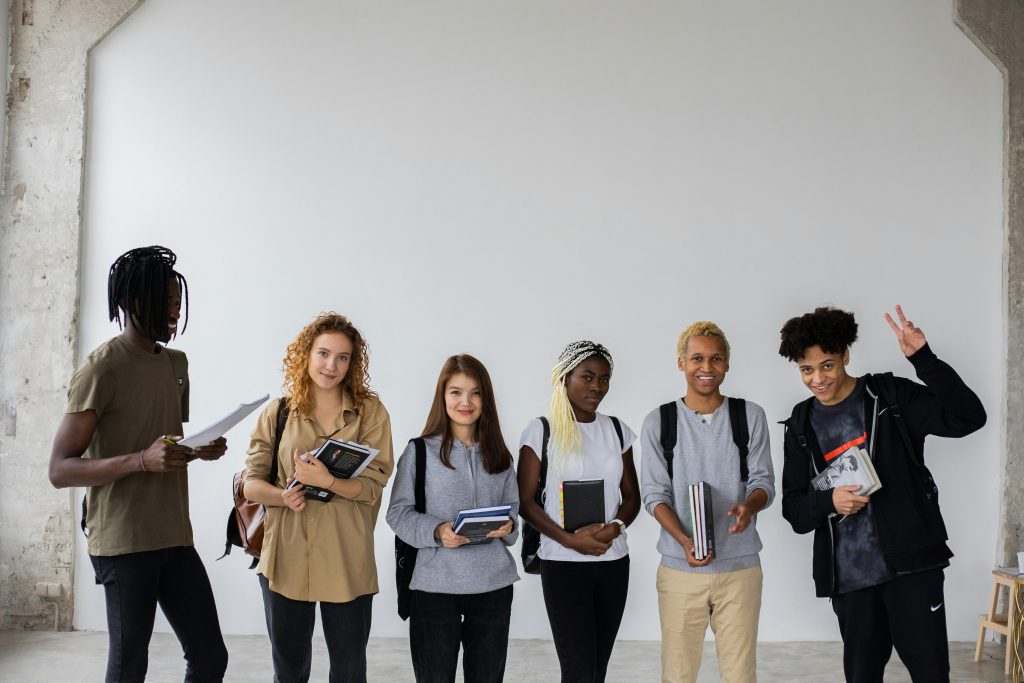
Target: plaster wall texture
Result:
[[997, 27], [40, 221]]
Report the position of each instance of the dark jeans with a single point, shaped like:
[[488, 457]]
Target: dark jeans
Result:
[[290, 625], [439, 622], [908, 612], [174, 578], [585, 601]]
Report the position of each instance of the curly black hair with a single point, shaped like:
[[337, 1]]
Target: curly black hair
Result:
[[832, 329]]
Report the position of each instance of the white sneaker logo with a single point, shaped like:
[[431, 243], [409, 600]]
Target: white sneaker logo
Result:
[[935, 607]]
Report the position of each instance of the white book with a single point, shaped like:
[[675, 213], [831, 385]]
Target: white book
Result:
[[852, 468]]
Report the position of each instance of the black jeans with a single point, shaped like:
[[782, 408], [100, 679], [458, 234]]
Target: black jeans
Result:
[[290, 625], [908, 612], [439, 622], [174, 578], [585, 601]]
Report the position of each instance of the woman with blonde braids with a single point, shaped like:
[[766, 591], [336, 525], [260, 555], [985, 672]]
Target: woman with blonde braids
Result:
[[313, 550], [585, 574]]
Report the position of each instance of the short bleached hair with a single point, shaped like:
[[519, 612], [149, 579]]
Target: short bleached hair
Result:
[[701, 328]]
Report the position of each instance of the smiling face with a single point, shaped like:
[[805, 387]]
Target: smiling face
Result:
[[173, 313], [825, 374], [704, 364], [329, 359], [587, 385], [463, 400]]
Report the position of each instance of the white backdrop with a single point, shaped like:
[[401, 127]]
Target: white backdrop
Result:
[[502, 178]]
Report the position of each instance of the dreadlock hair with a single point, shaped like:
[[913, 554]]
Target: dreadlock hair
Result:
[[493, 450], [701, 328], [830, 328], [297, 382], [565, 430], [137, 287]]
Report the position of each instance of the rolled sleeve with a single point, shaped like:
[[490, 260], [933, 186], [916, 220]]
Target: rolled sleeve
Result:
[[375, 477], [260, 461], [655, 482]]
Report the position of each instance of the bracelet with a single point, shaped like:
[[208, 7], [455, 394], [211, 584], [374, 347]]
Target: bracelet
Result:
[[333, 482], [142, 463]]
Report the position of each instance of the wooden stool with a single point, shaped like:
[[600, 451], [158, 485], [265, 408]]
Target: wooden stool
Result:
[[1002, 623]]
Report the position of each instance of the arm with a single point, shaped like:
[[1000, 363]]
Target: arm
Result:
[[376, 434], [629, 507], [69, 468], [582, 542], [509, 496], [261, 463], [669, 521], [415, 528], [947, 406], [803, 507], [760, 489]]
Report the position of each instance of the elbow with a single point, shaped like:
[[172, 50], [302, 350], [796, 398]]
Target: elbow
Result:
[[57, 478]]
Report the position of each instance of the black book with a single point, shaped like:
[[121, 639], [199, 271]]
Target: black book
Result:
[[343, 459], [582, 503], [703, 520]]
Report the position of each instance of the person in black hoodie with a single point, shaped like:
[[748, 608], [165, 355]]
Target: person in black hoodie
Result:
[[879, 559]]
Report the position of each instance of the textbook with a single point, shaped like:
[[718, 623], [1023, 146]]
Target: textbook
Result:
[[343, 459], [703, 520], [852, 468], [475, 524], [582, 503]]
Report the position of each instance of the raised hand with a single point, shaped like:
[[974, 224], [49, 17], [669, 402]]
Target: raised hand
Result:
[[911, 338]]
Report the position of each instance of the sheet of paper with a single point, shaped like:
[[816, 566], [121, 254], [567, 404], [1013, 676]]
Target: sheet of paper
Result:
[[221, 426]]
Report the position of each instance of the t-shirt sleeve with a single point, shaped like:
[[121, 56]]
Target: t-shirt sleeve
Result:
[[628, 436], [533, 436], [91, 388]]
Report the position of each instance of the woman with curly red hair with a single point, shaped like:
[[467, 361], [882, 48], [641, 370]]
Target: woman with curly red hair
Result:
[[319, 551]]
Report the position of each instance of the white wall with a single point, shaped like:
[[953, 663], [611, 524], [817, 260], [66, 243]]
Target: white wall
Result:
[[502, 178]]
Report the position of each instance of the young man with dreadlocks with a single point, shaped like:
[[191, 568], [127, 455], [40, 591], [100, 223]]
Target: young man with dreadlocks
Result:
[[879, 559], [585, 574], [126, 405], [694, 439]]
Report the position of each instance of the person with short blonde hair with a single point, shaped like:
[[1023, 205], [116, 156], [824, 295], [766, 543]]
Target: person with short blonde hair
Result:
[[690, 440]]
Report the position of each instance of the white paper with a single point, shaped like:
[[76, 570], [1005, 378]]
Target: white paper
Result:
[[221, 426]]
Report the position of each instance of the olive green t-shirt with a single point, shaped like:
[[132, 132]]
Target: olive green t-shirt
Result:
[[137, 396]]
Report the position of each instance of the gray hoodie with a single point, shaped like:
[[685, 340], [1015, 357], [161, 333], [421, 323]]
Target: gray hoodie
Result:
[[470, 568]]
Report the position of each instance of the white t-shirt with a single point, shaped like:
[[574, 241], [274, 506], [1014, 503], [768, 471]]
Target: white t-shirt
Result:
[[601, 459]]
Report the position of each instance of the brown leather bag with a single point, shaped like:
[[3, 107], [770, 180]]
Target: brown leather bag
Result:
[[246, 519]]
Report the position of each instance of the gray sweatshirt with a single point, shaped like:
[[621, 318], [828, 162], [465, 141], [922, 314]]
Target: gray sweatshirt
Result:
[[470, 568], [706, 452]]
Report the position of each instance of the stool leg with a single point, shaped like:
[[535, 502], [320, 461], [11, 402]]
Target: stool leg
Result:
[[1011, 618], [981, 642]]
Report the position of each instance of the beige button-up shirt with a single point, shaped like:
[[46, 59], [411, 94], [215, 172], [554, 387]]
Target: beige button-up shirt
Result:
[[324, 552]]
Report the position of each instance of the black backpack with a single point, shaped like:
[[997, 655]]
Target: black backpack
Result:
[[405, 554], [531, 537], [737, 420]]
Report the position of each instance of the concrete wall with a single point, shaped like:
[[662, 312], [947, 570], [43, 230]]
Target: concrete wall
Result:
[[40, 218]]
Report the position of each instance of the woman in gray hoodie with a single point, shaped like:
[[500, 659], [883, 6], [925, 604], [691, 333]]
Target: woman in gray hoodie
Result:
[[461, 591]]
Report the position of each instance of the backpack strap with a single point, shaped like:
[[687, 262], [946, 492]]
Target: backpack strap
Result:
[[669, 417], [282, 417], [542, 484], [740, 433], [421, 475], [885, 384], [618, 430]]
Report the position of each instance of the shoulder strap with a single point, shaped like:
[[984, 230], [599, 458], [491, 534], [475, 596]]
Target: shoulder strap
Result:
[[885, 384], [542, 484], [618, 430], [421, 475], [282, 418], [669, 416], [740, 433]]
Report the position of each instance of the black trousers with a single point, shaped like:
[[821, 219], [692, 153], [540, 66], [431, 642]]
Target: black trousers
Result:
[[290, 625], [175, 579], [909, 613], [440, 622], [585, 601]]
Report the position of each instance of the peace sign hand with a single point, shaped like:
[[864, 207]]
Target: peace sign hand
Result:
[[911, 338]]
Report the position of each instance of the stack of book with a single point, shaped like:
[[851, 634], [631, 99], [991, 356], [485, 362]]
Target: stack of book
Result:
[[852, 468], [343, 459], [703, 520], [475, 524]]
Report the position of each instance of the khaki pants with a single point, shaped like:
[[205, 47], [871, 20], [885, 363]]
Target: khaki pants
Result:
[[731, 602]]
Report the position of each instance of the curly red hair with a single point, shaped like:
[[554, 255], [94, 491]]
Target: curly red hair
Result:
[[297, 382]]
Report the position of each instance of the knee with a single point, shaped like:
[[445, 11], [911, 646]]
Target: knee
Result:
[[210, 664]]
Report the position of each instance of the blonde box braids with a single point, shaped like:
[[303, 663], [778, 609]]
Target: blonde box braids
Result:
[[565, 430]]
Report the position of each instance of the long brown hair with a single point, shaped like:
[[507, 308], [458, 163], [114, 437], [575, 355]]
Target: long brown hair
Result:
[[493, 450], [297, 382]]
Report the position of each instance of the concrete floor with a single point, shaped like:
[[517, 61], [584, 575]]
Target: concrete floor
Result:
[[30, 656]]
